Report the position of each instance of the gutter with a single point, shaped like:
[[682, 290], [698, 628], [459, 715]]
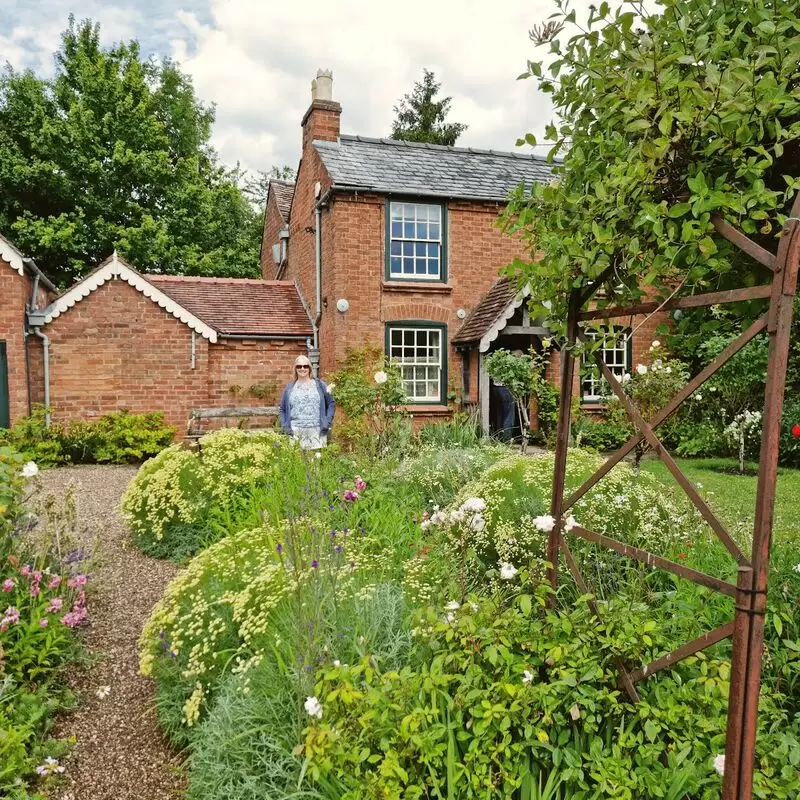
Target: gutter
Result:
[[265, 337], [410, 193]]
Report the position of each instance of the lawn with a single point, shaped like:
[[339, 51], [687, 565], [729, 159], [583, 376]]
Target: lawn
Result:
[[733, 497]]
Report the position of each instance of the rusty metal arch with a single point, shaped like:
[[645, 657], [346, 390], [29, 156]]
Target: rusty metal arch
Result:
[[747, 626]]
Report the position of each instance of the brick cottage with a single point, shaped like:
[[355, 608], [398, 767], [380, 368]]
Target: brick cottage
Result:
[[121, 339], [397, 244]]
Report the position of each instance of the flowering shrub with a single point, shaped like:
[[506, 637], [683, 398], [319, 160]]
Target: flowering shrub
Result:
[[167, 490], [516, 492], [744, 430], [499, 701], [41, 600]]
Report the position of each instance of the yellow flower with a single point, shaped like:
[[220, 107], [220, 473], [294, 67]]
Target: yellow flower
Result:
[[543, 737]]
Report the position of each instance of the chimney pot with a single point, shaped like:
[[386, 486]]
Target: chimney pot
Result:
[[322, 87]]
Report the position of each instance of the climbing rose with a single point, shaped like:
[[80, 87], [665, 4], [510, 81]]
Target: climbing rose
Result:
[[381, 377], [796, 431], [641, 369]]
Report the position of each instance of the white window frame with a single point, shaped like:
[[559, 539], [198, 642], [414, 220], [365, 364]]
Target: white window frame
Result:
[[617, 356], [411, 366], [404, 213]]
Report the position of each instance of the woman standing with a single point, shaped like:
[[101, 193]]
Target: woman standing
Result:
[[307, 407]]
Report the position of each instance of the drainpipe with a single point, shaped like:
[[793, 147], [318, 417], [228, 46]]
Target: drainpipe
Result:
[[31, 307], [322, 200], [46, 359]]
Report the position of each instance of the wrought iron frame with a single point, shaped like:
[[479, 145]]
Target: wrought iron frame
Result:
[[747, 626]]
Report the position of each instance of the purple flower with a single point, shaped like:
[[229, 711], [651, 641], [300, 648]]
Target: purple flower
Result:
[[314, 564], [351, 496], [279, 548], [338, 548]]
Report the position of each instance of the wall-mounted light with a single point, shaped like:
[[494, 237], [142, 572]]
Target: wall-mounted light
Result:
[[342, 305], [461, 313]]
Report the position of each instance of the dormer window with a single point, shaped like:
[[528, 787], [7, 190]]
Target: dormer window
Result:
[[415, 243]]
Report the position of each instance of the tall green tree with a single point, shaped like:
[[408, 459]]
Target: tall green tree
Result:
[[421, 117], [114, 152], [667, 114]]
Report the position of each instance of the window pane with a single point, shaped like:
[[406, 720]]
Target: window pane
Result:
[[395, 265], [396, 248]]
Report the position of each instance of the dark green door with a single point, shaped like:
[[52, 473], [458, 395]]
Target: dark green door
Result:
[[4, 411]]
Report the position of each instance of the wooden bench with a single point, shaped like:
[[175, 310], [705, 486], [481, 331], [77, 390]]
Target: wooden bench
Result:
[[193, 433]]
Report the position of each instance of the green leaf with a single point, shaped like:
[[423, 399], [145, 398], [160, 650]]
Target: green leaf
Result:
[[679, 209]]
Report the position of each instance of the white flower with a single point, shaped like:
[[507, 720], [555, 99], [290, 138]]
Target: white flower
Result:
[[641, 369], [570, 523], [477, 523], [474, 504], [719, 764], [318, 454], [545, 523], [698, 396], [103, 692], [655, 344], [507, 571], [625, 378], [337, 663], [453, 605], [30, 470], [50, 767], [313, 707], [449, 617], [527, 676], [381, 377], [796, 567], [668, 370]]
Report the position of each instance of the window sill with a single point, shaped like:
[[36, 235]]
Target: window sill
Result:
[[432, 409], [416, 286]]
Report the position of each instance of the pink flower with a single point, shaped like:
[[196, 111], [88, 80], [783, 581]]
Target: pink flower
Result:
[[10, 617], [74, 617], [43, 622], [55, 582], [359, 483], [35, 590], [78, 580], [55, 605], [37, 576], [26, 571], [351, 496], [8, 584]]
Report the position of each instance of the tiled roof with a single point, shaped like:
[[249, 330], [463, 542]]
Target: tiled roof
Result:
[[284, 192], [239, 306], [486, 313], [391, 166]]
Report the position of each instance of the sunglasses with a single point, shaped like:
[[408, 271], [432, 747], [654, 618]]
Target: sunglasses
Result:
[[302, 366]]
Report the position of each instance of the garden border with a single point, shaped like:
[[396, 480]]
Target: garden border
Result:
[[747, 627]]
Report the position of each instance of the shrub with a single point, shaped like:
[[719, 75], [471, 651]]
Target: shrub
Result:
[[503, 696], [604, 435], [461, 430], [790, 441], [116, 438], [41, 601], [168, 490], [632, 508]]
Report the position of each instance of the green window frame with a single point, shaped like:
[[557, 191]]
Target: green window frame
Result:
[[617, 352], [416, 241], [419, 348]]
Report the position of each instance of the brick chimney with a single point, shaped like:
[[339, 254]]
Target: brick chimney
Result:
[[321, 121]]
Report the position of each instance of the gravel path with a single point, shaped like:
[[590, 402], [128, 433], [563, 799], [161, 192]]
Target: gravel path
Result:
[[119, 753]]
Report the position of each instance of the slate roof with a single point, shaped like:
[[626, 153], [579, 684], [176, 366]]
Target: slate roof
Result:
[[284, 192], [239, 306], [395, 167], [486, 313]]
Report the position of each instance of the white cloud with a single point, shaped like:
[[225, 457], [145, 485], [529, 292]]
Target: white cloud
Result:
[[255, 60]]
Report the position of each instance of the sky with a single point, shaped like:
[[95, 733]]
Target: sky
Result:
[[255, 59]]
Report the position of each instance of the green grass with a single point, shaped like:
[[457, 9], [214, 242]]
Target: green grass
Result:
[[733, 497]]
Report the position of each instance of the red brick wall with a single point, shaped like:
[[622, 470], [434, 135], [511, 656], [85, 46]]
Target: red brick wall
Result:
[[15, 291], [253, 366], [273, 224], [117, 349]]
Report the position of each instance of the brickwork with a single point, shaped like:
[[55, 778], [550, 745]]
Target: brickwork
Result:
[[273, 225], [15, 292], [250, 372], [118, 349]]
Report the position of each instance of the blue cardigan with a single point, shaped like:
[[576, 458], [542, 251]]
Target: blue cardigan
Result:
[[327, 407]]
